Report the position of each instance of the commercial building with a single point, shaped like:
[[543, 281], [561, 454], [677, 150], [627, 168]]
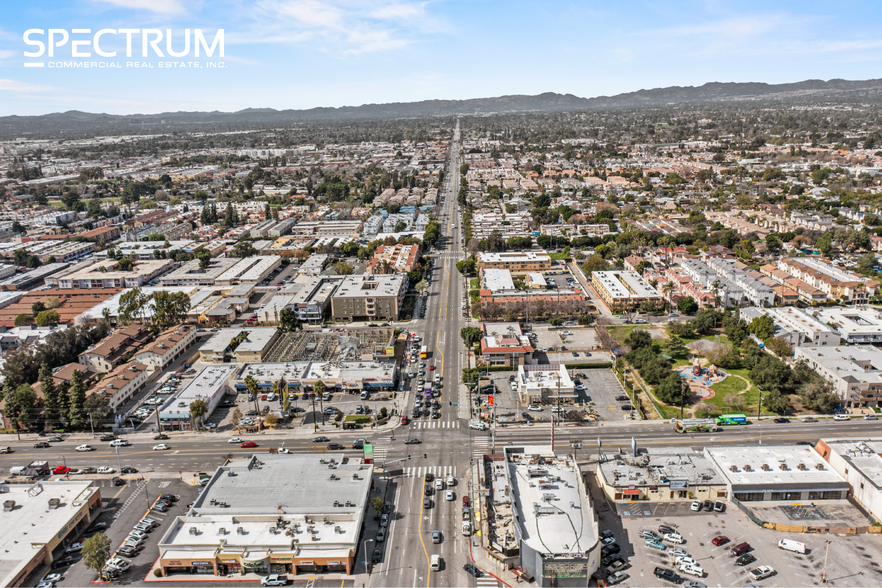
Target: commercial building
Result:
[[542, 516], [109, 303], [209, 385], [243, 345], [794, 325], [190, 274], [545, 383], [344, 376], [287, 514], [505, 344], [859, 461], [145, 250], [857, 324], [39, 521], [313, 301], [106, 274], [854, 370], [785, 473], [368, 297], [328, 228], [167, 347], [517, 262], [622, 290], [660, 474], [34, 278]]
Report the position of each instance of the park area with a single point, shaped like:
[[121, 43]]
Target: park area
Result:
[[712, 364]]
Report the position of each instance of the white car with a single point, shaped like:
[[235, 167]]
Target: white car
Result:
[[451, 481], [692, 569], [119, 443], [871, 417], [137, 534], [78, 546], [274, 580], [161, 447], [838, 417], [478, 425], [234, 440], [119, 563], [450, 496], [106, 470], [534, 407], [761, 572], [84, 448], [674, 538], [284, 450]]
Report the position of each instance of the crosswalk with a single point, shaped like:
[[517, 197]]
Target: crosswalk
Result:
[[420, 472], [435, 425], [487, 582], [480, 445]]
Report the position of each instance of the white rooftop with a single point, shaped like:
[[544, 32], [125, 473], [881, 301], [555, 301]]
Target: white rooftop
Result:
[[863, 454], [625, 284], [497, 280], [255, 341], [204, 386], [769, 465]]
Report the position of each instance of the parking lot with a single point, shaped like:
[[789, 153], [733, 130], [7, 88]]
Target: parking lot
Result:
[[125, 507], [852, 560], [603, 387]]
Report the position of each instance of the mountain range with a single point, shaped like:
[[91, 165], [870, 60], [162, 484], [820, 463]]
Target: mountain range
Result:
[[78, 122]]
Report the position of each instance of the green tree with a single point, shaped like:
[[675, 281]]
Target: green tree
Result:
[[236, 419], [288, 320], [595, 263], [20, 404], [762, 326], [97, 407], [96, 551], [555, 321], [470, 335], [377, 503], [675, 348], [198, 408], [77, 397], [132, 305], [672, 390], [773, 242], [37, 308], [24, 320], [204, 258], [639, 338], [244, 249], [125, 264], [779, 346], [687, 305], [47, 318], [170, 308], [342, 268], [825, 244], [50, 394]]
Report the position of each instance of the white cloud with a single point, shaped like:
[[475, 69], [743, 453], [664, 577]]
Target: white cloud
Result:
[[160, 6], [16, 86], [341, 26]]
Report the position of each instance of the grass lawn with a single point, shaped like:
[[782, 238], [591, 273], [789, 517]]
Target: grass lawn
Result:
[[473, 283], [621, 332], [669, 412], [559, 256]]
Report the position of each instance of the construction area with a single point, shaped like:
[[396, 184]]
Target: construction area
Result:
[[330, 345]]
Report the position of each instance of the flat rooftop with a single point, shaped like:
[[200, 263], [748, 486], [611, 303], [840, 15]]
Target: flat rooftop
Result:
[[31, 524], [497, 280], [851, 321], [256, 339], [371, 286], [513, 256], [657, 466], [625, 284], [204, 385], [192, 271], [863, 454], [337, 371], [774, 465], [554, 513]]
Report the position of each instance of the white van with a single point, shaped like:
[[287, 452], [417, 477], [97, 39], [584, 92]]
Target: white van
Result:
[[435, 561], [478, 425], [467, 528], [17, 470], [791, 545]]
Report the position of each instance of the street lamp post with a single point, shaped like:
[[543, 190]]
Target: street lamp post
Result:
[[367, 569]]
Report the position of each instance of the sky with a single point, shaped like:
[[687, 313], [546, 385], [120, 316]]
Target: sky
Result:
[[314, 53]]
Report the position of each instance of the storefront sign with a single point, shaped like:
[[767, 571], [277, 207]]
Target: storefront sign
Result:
[[306, 563], [674, 484], [230, 561], [334, 563], [174, 563], [201, 563]]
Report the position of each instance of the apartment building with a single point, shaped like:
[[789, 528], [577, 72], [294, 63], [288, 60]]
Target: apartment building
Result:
[[250, 270], [168, 346], [795, 325], [856, 325], [752, 288], [396, 259], [122, 383], [270, 313], [106, 274], [369, 297], [111, 351], [517, 262], [505, 344], [191, 274], [855, 371], [835, 282], [621, 290], [328, 228], [313, 301]]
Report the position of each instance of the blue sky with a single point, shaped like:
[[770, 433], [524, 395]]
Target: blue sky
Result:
[[308, 53]]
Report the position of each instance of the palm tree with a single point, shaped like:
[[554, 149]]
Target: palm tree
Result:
[[253, 389], [667, 289]]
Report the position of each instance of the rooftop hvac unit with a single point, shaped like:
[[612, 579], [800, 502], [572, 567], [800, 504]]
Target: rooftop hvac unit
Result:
[[194, 531], [240, 530], [766, 467], [733, 468], [802, 467], [747, 468], [783, 466], [819, 466], [54, 503], [222, 531]]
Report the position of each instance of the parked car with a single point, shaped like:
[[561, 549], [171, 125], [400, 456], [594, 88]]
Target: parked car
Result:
[[720, 540], [761, 572], [746, 559], [106, 470], [471, 569]]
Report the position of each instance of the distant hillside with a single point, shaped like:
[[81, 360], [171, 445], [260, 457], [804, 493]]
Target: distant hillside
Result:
[[83, 122]]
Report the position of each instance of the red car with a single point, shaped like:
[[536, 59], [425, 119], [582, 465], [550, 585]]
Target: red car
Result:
[[720, 540], [431, 367], [404, 420], [248, 444], [61, 470]]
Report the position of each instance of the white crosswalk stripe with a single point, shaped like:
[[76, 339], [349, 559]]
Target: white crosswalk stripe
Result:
[[437, 471], [487, 581], [437, 424]]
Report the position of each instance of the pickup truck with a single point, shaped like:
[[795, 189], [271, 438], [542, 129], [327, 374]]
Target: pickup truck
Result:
[[667, 575]]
